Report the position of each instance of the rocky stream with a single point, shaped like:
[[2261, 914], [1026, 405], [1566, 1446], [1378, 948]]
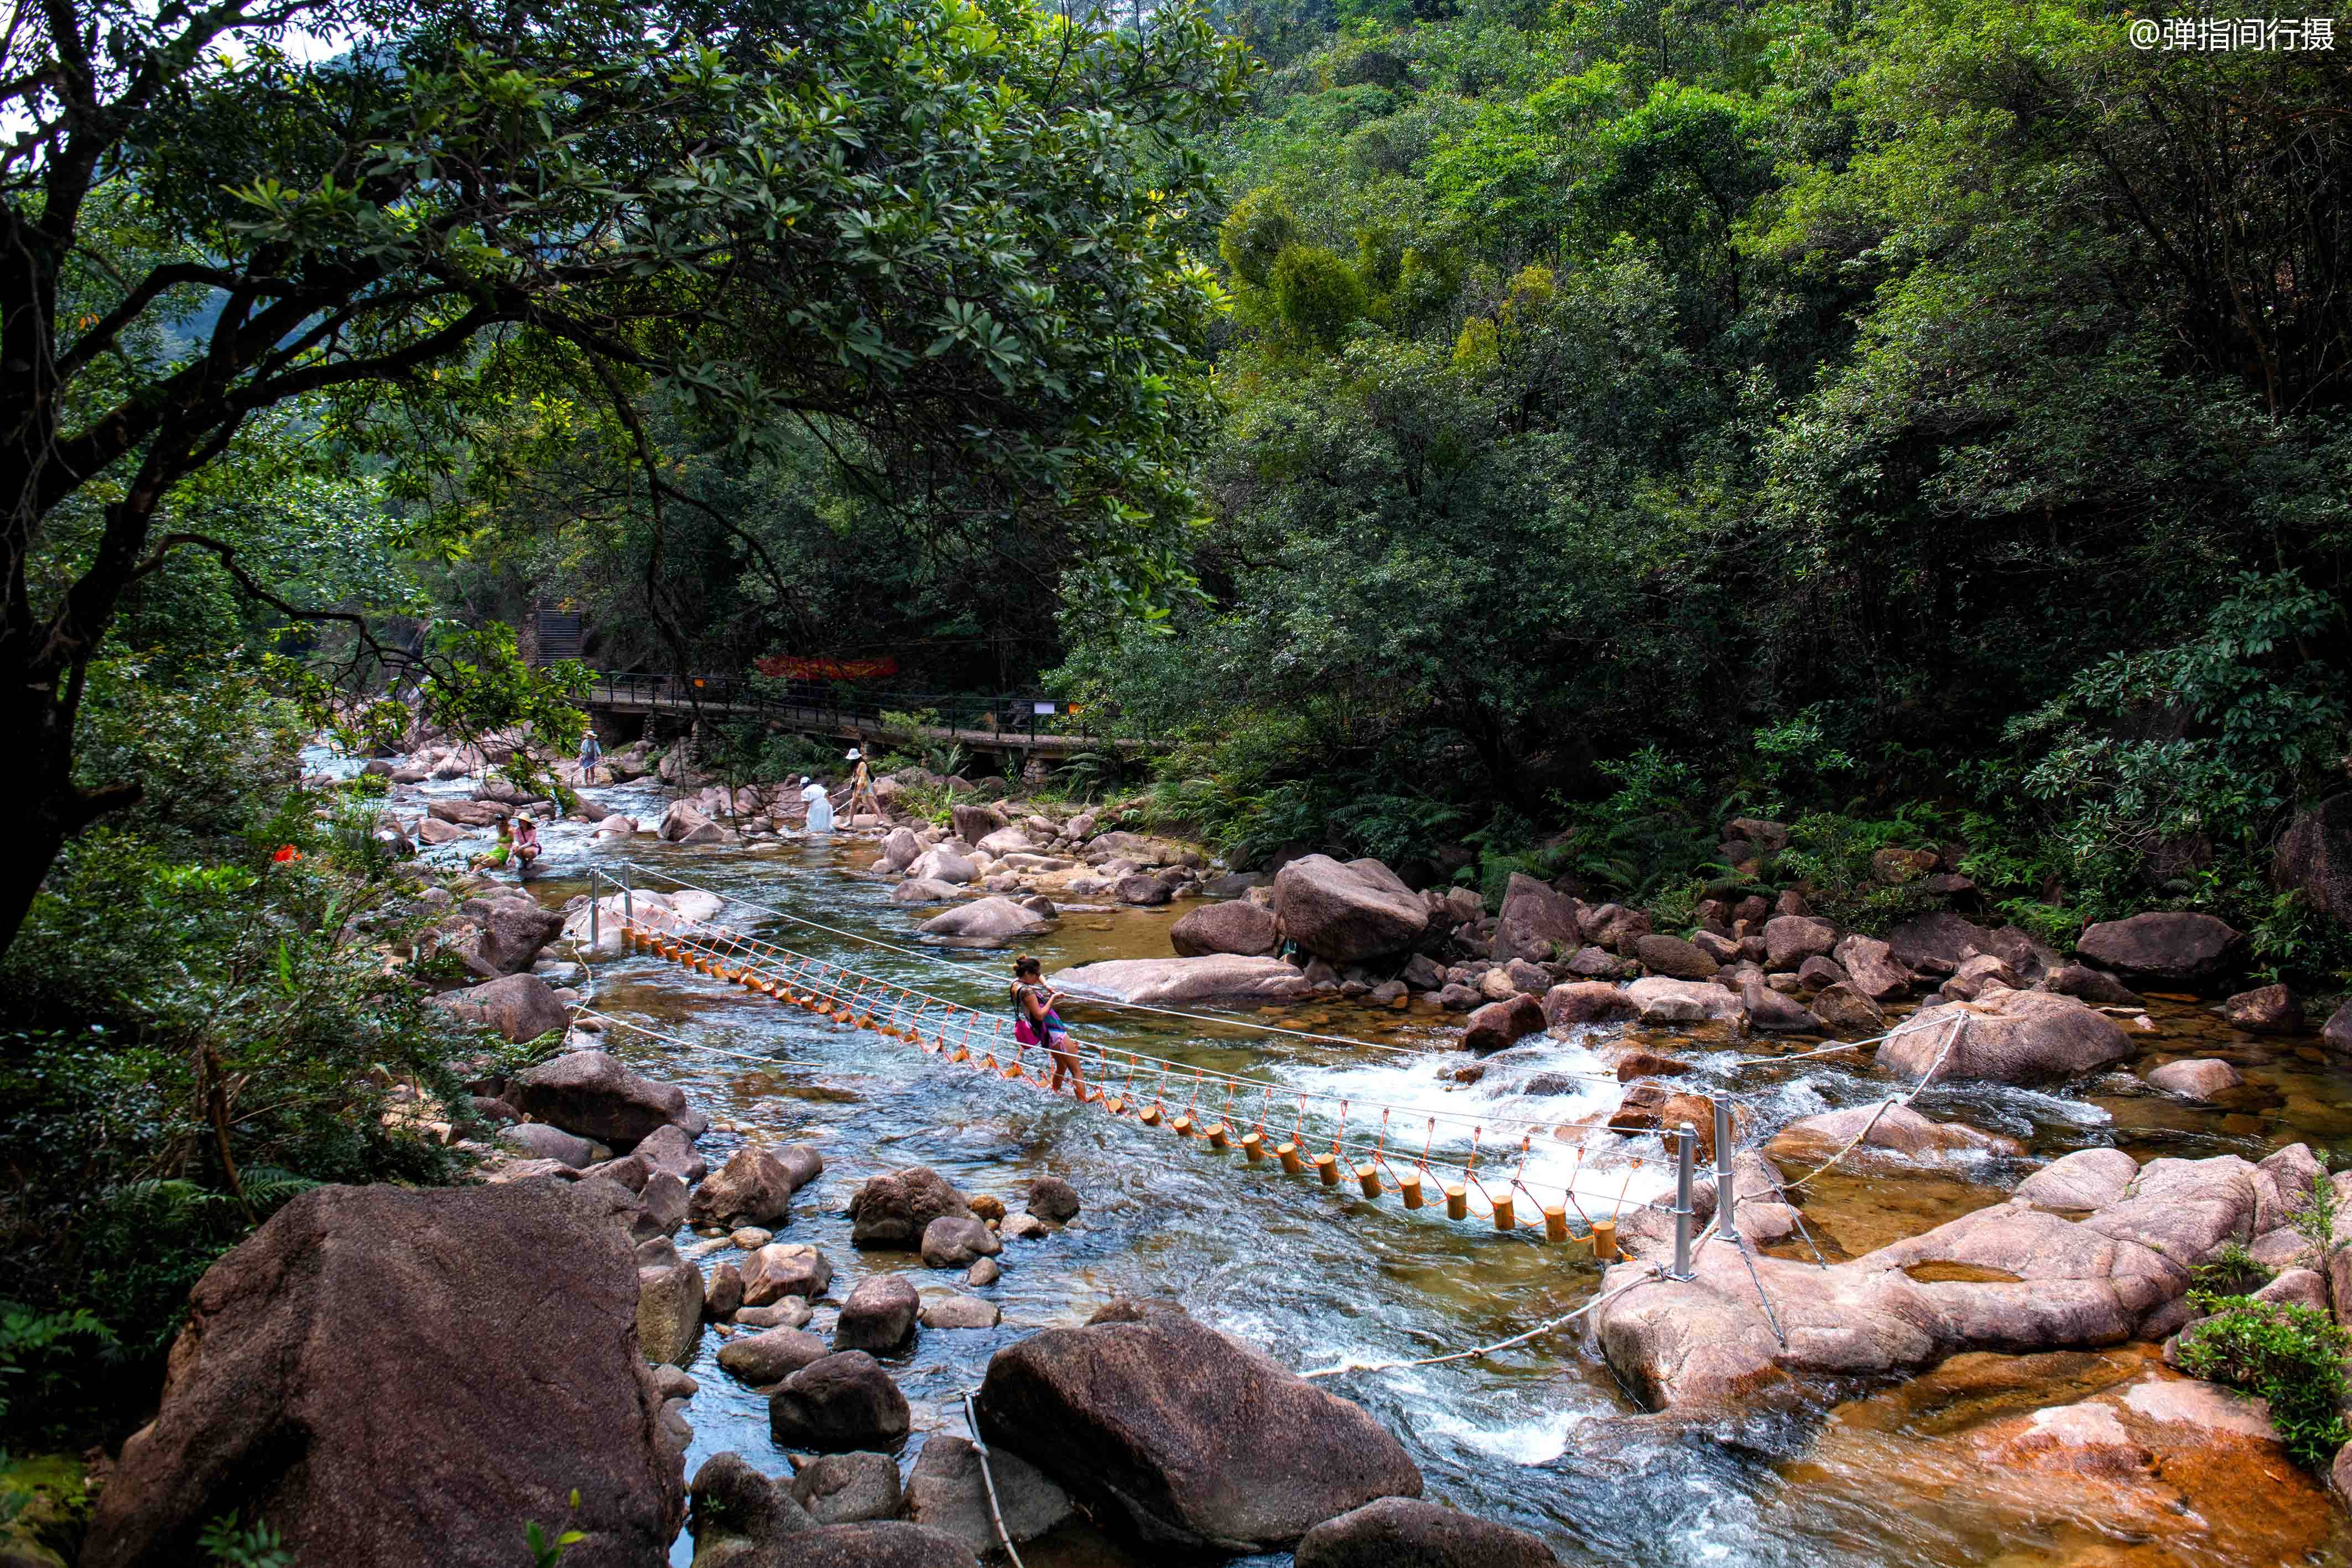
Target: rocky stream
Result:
[[1914, 1418]]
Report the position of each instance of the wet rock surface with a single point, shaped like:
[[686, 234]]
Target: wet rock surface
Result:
[[1195, 1440], [510, 1395]]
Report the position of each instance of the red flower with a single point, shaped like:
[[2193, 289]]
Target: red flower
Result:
[[285, 852]]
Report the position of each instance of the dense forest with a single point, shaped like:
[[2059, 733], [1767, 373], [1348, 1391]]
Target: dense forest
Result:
[[1503, 438]]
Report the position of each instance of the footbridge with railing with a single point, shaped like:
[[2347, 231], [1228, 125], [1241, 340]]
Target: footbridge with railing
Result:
[[998, 724]]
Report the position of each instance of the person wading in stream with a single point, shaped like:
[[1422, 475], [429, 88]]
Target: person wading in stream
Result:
[[592, 754], [861, 786], [820, 808], [1035, 1023]]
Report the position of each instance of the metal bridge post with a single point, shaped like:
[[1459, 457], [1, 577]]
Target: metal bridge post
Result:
[[628, 901], [1685, 1141], [1725, 1219]]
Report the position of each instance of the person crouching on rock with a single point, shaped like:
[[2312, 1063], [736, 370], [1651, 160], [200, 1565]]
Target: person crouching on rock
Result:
[[526, 846], [498, 854], [1035, 1023]]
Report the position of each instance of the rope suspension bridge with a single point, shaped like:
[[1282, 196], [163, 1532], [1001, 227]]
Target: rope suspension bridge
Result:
[[1461, 1172]]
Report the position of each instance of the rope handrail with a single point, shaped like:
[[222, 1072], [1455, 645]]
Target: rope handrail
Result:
[[825, 986], [1549, 1126]]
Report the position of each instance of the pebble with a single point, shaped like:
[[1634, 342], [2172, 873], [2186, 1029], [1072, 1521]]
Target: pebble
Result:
[[987, 1271], [750, 1238]]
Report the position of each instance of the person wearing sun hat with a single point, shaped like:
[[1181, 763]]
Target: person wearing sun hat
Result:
[[527, 848], [861, 785]]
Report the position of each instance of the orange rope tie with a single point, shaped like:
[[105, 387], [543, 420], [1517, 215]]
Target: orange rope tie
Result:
[[1626, 1185], [1327, 1166], [1150, 1115], [1118, 1104], [1219, 1135], [1571, 1188], [1368, 1175], [1182, 1125]]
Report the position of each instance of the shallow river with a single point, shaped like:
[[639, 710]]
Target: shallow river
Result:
[[1539, 1436]]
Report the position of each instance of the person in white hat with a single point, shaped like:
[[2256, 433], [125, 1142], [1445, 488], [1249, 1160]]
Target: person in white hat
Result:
[[861, 785], [820, 808]]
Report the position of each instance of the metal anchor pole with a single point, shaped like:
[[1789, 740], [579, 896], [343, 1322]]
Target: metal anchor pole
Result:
[[1686, 1141], [1725, 1219]]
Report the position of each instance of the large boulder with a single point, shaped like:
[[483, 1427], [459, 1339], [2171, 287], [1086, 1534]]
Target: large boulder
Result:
[[669, 1305], [740, 1515], [1870, 967], [2336, 1036], [2009, 1037], [514, 929], [520, 1007], [1790, 939], [837, 1404], [1168, 982], [2265, 1010], [367, 1338], [770, 1355], [2199, 1078], [1236, 926], [1198, 1441], [1673, 957], [782, 1269], [1585, 1001], [1657, 1000], [2165, 947], [973, 822], [880, 1314], [1895, 1135], [900, 849], [1941, 937], [844, 1488], [1406, 1532], [991, 921], [892, 1211], [1537, 921], [753, 1187], [2315, 856], [684, 824], [1501, 1024], [2013, 1277], [950, 1242], [592, 1093], [948, 1492], [1347, 913], [940, 864]]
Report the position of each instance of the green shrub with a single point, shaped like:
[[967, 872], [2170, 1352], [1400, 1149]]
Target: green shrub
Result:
[[1832, 854], [2292, 1355], [2232, 1270], [2315, 1215]]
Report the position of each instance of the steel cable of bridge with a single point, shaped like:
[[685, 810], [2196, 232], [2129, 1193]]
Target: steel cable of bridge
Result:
[[823, 988]]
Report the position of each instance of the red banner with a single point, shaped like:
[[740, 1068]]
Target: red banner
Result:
[[785, 667]]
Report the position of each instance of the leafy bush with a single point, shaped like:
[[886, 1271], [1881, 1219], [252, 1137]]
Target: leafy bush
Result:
[[2232, 1270], [2291, 1355], [192, 1035], [1832, 855], [1652, 833]]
